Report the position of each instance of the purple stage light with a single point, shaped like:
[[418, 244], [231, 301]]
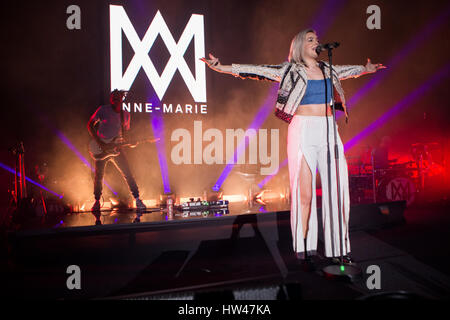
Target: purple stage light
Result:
[[157, 123], [262, 209], [326, 15], [400, 106], [30, 180], [269, 177], [401, 56], [67, 142], [259, 119]]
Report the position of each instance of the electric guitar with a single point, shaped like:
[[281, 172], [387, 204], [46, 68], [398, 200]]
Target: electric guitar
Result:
[[113, 149]]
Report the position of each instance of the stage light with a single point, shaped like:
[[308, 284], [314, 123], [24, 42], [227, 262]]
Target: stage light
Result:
[[7, 168], [265, 195], [157, 123], [260, 202], [270, 176], [235, 198], [69, 144], [400, 106], [87, 205], [407, 49], [261, 116], [106, 205], [116, 203], [49, 124]]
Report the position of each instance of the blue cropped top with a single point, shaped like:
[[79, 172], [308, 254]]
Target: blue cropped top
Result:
[[315, 92]]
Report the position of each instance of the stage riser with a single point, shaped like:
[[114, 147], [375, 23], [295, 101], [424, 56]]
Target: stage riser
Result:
[[112, 257], [363, 216]]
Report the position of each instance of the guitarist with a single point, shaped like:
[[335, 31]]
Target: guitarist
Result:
[[107, 126]]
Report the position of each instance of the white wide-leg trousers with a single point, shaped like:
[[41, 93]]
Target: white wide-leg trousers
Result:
[[310, 137]]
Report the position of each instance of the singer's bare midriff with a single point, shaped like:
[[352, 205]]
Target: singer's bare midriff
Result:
[[313, 110]]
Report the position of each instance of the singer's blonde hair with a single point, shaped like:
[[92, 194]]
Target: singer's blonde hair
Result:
[[295, 52]]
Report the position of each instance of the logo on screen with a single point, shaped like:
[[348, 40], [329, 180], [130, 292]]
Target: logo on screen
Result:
[[121, 79]]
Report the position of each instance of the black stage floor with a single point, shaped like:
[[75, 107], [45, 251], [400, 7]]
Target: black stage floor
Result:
[[123, 217], [246, 254]]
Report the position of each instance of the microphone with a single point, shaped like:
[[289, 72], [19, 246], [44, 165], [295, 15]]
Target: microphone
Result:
[[326, 46]]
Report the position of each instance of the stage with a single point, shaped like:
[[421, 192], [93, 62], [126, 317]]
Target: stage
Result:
[[240, 255]]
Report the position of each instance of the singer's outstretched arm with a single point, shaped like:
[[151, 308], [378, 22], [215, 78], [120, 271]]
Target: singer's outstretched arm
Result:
[[355, 71], [248, 71]]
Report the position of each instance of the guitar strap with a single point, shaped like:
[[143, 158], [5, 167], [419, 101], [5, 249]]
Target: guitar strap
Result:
[[122, 124], [122, 120]]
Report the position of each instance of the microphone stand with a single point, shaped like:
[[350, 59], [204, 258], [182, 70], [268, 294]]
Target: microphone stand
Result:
[[342, 271]]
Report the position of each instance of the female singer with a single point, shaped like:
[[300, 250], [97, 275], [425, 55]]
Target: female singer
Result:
[[304, 99]]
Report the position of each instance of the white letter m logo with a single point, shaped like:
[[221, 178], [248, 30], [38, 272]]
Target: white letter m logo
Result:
[[119, 21]]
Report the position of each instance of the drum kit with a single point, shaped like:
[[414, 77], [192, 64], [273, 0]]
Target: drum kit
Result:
[[397, 181]]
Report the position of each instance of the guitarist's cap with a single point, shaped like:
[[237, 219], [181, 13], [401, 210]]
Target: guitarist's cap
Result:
[[115, 91], [123, 93]]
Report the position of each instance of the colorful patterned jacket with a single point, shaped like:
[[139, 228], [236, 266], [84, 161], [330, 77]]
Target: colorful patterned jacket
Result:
[[293, 80]]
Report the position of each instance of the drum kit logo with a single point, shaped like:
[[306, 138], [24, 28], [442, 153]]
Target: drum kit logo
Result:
[[399, 180], [400, 189]]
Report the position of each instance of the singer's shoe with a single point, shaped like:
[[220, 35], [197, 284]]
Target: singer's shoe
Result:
[[304, 258], [140, 205], [305, 261], [96, 206]]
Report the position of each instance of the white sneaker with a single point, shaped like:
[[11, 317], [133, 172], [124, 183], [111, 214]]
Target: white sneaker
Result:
[[96, 206], [140, 205]]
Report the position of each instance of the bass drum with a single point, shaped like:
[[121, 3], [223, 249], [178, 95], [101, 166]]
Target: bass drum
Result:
[[396, 188]]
